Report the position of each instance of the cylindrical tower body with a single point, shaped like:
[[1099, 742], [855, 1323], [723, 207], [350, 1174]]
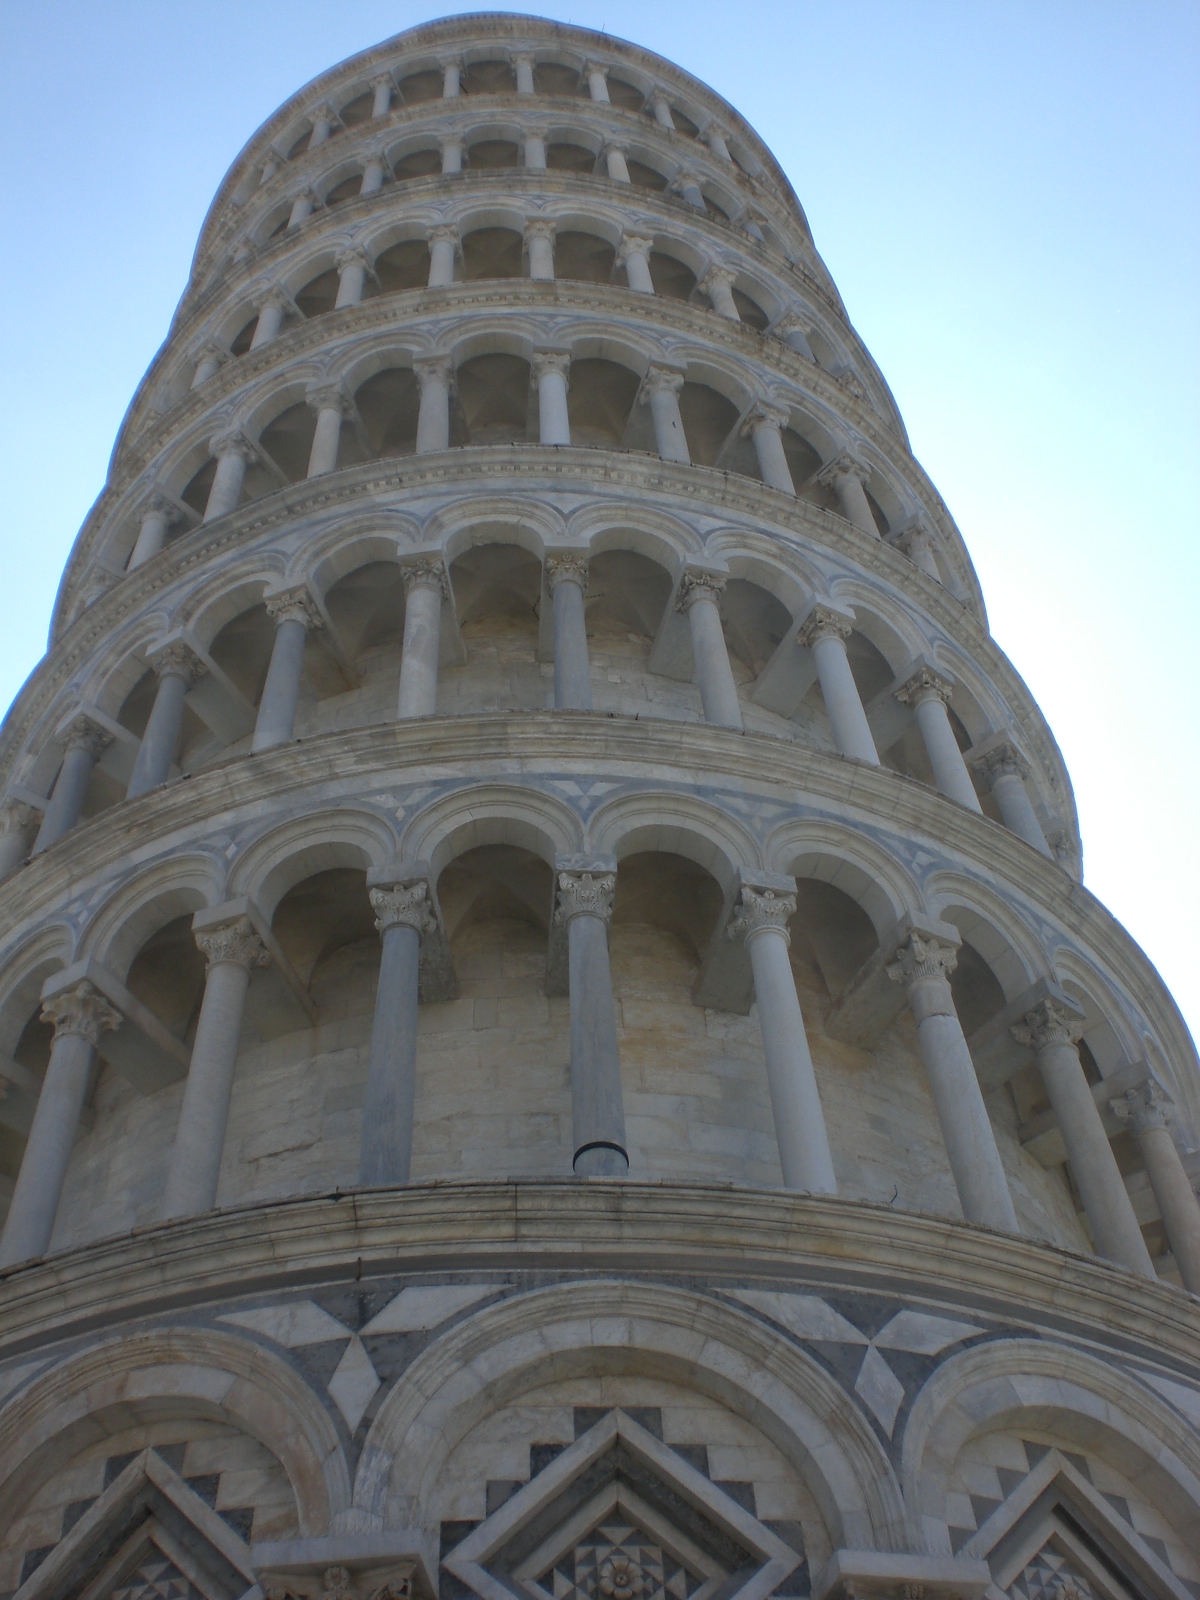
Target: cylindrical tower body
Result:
[[597, 1073]]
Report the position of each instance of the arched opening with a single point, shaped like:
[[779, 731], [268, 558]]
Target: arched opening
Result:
[[347, 189], [497, 590], [494, 396], [492, 253], [326, 928], [359, 110], [552, 78], [671, 279], [196, 491], [420, 86], [287, 441], [600, 402], [389, 405], [566, 157], [195, 744], [403, 266], [755, 624], [241, 341], [242, 650], [626, 597], [624, 94], [492, 155], [708, 420], [417, 164], [319, 294], [366, 608], [802, 460], [832, 938], [751, 313], [488, 77], [583, 258], [683, 123], [644, 177]]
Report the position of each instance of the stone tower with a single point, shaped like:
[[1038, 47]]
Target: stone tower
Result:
[[554, 1047]]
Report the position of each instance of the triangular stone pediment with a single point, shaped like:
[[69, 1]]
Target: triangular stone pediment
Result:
[[1057, 1538], [148, 1537], [619, 1515]]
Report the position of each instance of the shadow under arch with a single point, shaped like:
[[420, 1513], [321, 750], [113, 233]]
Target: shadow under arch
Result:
[[494, 813], [303, 846], [833, 853], [138, 909], [675, 824], [688, 1338]]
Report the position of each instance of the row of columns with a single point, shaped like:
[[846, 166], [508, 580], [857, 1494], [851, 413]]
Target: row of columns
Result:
[[583, 909]]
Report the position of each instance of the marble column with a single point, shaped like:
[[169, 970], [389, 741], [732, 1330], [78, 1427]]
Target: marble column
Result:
[[332, 407], [156, 519], [717, 284], [923, 965], [846, 477], [325, 119], [294, 613], [550, 369], [1004, 769], [375, 170], [794, 330], [539, 242], [687, 186], [566, 578], [452, 154], [616, 161], [929, 695], [79, 1016], [451, 78], [231, 950], [303, 206], [425, 588], [825, 632], [209, 360], [765, 425], [352, 266], [700, 597], [714, 138], [443, 252], [177, 668], [16, 829], [382, 88], [523, 67], [402, 917], [535, 152], [1053, 1034], [433, 418], [634, 256], [584, 903], [271, 314], [597, 82], [271, 166], [233, 452], [1147, 1112], [916, 542], [661, 107], [661, 386], [804, 1157], [85, 742]]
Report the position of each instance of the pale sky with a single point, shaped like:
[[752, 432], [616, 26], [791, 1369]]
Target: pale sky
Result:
[[1007, 194]]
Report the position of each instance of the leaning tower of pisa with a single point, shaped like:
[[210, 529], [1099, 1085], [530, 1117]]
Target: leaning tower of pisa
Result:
[[552, 1042]]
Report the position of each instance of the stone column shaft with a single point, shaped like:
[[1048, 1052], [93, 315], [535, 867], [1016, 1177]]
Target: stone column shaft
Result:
[[1053, 1034], [804, 1154], [567, 579], [177, 670], [847, 476], [539, 241], [523, 66], [207, 366], [424, 589], [152, 534], [327, 436], [293, 614], [85, 743], [1148, 1112], [597, 1108], [433, 418], [1004, 770], [718, 286], [270, 320], [663, 386], [16, 823], [232, 455], [443, 250], [597, 78], [634, 256], [535, 152], [927, 694], [765, 425], [794, 330], [452, 155], [451, 79], [661, 107], [403, 916], [373, 175], [352, 279], [699, 597], [923, 966], [79, 1016], [616, 164], [825, 633], [231, 949], [554, 418], [382, 103]]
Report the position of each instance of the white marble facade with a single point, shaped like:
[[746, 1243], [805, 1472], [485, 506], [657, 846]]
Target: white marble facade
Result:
[[552, 1042]]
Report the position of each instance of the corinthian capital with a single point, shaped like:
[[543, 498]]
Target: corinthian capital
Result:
[[540, 228], [293, 605], [16, 816], [551, 361], [1002, 760], [80, 1012], [634, 244], [585, 894], [443, 233], [329, 397], [921, 958], [234, 943], [1048, 1024], [925, 684], [425, 574], [823, 622], [762, 415], [404, 905], [660, 380], [82, 733], [716, 277], [1144, 1109], [567, 568], [231, 443], [177, 660], [761, 911], [695, 586], [843, 466]]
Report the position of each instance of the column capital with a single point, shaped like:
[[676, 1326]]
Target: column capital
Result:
[[1048, 1024], [1000, 760], [568, 566], [293, 605], [380, 80], [277, 296], [845, 465], [717, 277], [17, 815], [761, 911], [80, 1012], [177, 660], [917, 536], [234, 943], [684, 179], [425, 573], [211, 350], [920, 958], [324, 112], [233, 442], [551, 361], [661, 379], [523, 56], [615, 144], [925, 684], [436, 369], [450, 141], [823, 622], [540, 228], [595, 66], [794, 322], [444, 232], [633, 244], [764, 415], [852, 383], [155, 503], [584, 894], [355, 255], [328, 397], [405, 905], [1144, 1108], [84, 733], [699, 585]]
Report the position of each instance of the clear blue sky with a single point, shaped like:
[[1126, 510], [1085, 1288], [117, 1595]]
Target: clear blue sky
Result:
[[1006, 193]]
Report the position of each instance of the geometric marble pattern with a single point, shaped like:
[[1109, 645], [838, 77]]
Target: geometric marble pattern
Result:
[[617, 1561], [1050, 1577], [156, 1578]]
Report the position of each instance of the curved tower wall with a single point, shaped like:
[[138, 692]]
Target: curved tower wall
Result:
[[553, 1039]]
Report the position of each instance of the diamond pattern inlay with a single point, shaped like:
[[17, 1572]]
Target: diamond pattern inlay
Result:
[[156, 1578], [617, 1561]]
